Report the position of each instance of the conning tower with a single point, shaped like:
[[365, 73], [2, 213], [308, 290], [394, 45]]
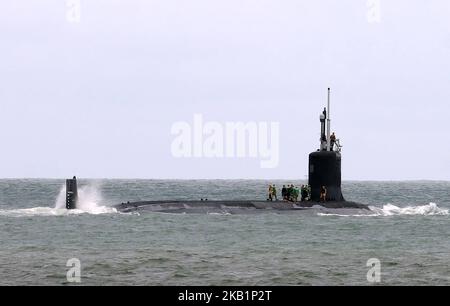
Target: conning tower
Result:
[[325, 163]]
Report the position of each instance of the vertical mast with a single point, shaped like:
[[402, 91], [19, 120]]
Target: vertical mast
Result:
[[328, 122]]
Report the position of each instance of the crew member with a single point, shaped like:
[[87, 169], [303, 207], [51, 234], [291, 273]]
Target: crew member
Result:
[[332, 141], [296, 193], [290, 193], [284, 193], [304, 192], [274, 192], [323, 194]]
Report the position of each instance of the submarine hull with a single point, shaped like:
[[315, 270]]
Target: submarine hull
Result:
[[230, 206]]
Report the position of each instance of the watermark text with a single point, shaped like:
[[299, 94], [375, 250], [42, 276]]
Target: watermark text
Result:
[[213, 139]]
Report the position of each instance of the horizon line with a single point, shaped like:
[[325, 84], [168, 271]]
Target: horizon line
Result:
[[211, 179]]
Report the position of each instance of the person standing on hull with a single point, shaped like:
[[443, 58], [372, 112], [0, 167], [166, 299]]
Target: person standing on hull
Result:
[[284, 193], [269, 193], [304, 193], [274, 192], [291, 193], [296, 193], [323, 194]]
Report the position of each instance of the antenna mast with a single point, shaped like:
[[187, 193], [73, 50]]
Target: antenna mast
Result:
[[328, 122]]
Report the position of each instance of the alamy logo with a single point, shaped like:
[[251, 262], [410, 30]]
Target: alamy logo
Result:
[[73, 11], [74, 273], [374, 11], [227, 140], [374, 273]]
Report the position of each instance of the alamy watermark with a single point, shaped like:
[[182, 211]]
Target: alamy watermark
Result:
[[213, 139], [373, 11], [374, 273], [73, 11], [74, 273]]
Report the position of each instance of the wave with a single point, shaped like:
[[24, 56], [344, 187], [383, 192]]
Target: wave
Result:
[[49, 211], [221, 213], [430, 209], [89, 199]]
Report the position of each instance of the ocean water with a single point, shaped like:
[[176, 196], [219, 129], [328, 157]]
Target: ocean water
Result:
[[407, 230]]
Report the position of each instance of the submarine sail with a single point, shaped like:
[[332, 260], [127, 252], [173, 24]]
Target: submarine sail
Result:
[[325, 164]]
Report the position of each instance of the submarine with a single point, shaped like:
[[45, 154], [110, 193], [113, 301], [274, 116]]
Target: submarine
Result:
[[324, 172]]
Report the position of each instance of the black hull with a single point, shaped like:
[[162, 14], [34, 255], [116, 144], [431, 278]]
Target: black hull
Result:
[[199, 206]]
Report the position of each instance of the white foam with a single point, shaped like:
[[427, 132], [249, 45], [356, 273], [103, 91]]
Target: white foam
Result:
[[49, 211], [223, 213], [89, 199], [430, 209], [340, 215]]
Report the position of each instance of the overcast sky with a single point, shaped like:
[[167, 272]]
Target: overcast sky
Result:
[[97, 98]]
